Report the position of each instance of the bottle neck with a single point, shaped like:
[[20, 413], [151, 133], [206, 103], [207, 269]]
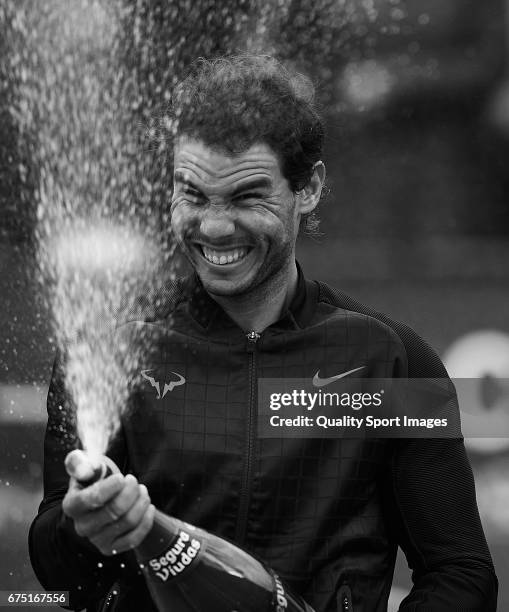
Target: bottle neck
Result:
[[167, 532]]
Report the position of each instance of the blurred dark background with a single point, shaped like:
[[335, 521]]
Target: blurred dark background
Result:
[[416, 221]]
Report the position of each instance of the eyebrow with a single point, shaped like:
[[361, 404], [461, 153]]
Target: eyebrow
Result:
[[258, 183], [182, 178]]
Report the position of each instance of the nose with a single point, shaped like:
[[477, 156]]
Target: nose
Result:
[[216, 224]]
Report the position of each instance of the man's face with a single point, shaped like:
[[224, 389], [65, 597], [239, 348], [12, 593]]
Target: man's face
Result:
[[234, 216]]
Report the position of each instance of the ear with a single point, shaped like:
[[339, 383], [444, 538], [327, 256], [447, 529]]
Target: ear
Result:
[[309, 196]]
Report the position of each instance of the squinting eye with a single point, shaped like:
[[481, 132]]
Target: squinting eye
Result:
[[248, 196], [194, 196]]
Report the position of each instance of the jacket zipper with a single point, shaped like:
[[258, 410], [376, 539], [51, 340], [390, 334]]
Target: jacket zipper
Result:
[[109, 603], [345, 599], [247, 475]]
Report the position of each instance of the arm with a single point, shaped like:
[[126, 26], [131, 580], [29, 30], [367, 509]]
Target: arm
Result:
[[430, 507], [437, 525], [63, 560], [433, 512]]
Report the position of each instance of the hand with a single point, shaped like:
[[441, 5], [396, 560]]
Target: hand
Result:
[[115, 513]]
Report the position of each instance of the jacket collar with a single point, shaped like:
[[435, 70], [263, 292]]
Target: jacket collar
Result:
[[207, 312]]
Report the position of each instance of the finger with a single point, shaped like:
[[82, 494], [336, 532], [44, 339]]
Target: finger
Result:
[[133, 538], [132, 517], [79, 465], [70, 503], [102, 491], [93, 524], [124, 501], [73, 504], [110, 538], [128, 522], [79, 501], [90, 523]]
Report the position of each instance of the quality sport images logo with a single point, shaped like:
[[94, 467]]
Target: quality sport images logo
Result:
[[168, 386]]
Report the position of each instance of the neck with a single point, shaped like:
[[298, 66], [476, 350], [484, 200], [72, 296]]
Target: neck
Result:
[[262, 307]]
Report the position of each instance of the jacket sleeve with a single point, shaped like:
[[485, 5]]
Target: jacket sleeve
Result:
[[61, 559], [434, 513], [438, 527]]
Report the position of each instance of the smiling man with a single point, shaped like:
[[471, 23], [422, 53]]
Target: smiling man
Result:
[[237, 220], [326, 514]]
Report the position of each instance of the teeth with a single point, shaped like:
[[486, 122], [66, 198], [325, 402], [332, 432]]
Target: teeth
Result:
[[224, 257]]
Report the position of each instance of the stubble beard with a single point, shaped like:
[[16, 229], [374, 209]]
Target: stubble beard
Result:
[[264, 284]]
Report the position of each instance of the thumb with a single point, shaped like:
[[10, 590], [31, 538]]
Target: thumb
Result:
[[80, 465]]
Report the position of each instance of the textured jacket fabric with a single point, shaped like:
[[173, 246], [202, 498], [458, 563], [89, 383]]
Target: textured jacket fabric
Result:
[[326, 514]]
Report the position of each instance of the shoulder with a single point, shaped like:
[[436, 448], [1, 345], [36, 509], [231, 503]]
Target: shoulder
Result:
[[423, 361], [155, 307]]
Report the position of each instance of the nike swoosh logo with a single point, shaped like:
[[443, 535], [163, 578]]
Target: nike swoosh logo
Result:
[[321, 382]]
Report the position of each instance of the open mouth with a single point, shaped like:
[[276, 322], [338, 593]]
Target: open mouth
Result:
[[224, 257]]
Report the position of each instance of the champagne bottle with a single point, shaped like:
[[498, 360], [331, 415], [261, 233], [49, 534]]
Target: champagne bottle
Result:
[[188, 569]]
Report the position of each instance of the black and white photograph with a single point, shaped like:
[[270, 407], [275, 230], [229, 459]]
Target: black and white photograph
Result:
[[253, 295]]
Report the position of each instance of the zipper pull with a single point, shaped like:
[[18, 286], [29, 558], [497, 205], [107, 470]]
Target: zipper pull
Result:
[[345, 599], [252, 339]]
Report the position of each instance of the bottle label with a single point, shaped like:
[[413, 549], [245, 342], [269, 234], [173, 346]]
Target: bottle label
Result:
[[281, 601], [177, 558]]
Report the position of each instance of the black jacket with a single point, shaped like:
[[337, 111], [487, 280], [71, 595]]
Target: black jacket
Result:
[[326, 514]]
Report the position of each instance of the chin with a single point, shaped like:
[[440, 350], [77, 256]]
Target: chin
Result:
[[224, 288], [229, 285]]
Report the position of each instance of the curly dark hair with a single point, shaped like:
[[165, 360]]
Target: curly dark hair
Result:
[[232, 102]]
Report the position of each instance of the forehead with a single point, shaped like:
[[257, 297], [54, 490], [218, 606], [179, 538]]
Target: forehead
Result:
[[196, 160]]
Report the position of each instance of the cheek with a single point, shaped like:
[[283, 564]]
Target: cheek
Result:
[[270, 220], [181, 219], [284, 224], [283, 217]]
